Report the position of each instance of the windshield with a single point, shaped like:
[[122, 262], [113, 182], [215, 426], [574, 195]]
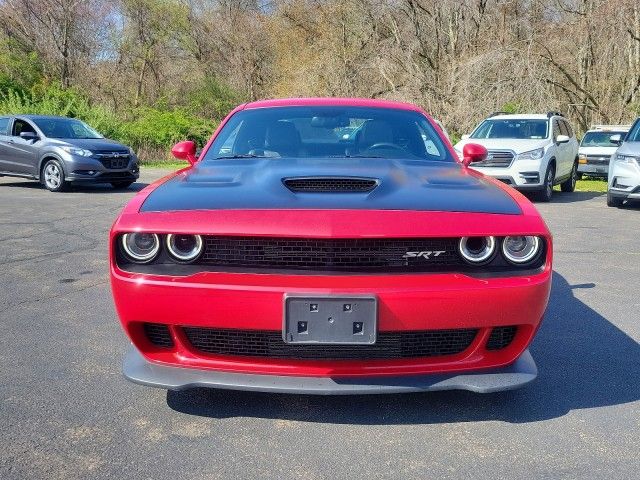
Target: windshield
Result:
[[65, 128], [634, 134], [599, 139], [522, 129], [328, 131]]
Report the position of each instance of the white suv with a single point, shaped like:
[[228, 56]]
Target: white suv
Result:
[[530, 152], [624, 168]]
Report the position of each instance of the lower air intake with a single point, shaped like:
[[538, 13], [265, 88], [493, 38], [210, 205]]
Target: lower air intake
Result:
[[501, 337], [389, 345], [158, 334]]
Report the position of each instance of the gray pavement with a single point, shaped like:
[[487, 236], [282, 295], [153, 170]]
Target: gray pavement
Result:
[[66, 411]]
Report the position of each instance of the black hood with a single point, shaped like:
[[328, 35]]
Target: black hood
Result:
[[258, 184]]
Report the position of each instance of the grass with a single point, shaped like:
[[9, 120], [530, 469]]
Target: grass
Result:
[[164, 164], [589, 184]]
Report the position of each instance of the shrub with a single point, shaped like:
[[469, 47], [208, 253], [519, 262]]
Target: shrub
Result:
[[150, 131]]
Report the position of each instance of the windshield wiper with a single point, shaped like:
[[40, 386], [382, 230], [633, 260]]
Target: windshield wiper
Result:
[[244, 155]]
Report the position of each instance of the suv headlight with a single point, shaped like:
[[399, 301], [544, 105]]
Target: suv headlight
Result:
[[627, 159], [536, 154], [78, 151]]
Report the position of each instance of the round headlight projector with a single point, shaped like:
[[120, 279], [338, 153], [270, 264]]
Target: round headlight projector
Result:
[[141, 247], [185, 248], [520, 249], [477, 249]]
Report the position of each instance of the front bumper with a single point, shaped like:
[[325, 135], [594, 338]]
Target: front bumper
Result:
[[599, 170], [521, 174], [90, 170], [516, 375], [105, 177], [624, 180]]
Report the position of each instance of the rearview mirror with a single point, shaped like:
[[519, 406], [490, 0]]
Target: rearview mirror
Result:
[[562, 139], [616, 139], [465, 136], [28, 136], [472, 152], [185, 151]]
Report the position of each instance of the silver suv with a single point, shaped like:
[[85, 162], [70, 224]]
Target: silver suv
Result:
[[59, 150], [624, 168]]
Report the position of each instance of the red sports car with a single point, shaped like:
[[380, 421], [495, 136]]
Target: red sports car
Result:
[[330, 246]]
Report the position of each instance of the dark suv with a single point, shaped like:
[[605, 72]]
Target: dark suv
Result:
[[59, 150]]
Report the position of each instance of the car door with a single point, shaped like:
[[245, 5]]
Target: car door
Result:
[[563, 150], [22, 154], [4, 149], [573, 145]]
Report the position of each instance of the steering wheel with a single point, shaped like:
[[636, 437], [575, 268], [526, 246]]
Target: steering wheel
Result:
[[385, 146]]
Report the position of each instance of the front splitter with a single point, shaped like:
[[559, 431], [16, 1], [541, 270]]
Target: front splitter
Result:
[[139, 370]]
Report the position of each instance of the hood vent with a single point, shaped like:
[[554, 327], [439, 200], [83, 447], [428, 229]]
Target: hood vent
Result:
[[330, 184]]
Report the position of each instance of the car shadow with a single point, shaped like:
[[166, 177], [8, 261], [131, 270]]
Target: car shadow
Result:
[[584, 361], [562, 197], [88, 188]]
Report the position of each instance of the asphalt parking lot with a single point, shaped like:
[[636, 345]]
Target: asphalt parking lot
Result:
[[67, 412]]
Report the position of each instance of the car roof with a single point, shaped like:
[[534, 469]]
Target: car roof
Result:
[[522, 116], [329, 101], [42, 117], [609, 128]]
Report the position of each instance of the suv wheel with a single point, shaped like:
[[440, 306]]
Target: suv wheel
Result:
[[569, 185], [121, 185], [613, 201], [53, 176], [546, 193]]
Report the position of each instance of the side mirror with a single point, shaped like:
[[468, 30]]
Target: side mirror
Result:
[[185, 151], [472, 152], [28, 136], [616, 139], [465, 136], [562, 139]]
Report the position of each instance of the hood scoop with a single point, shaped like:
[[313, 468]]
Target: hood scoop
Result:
[[330, 184]]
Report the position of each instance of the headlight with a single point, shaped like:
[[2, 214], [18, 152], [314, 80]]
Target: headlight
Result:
[[536, 154], [185, 248], [141, 247], [627, 159], [521, 249], [78, 151], [477, 250], [582, 158], [131, 152]]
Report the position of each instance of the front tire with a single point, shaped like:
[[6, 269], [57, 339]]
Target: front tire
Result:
[[613, 201], [53, 176], [546, 193], [121, 185], [569, 185]]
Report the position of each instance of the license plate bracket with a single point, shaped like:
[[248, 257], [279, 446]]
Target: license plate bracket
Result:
[[346, 320]]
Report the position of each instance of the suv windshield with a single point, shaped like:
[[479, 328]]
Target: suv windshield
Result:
[[599, 139], [524, 129], [328, 131], [65, 128], [634, 134]]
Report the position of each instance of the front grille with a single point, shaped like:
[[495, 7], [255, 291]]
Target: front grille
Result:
[[113, 160], [266, 343], [330, 185], [346, 255], [496, 158], [158, 334], [501, 337], [597, 160]]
